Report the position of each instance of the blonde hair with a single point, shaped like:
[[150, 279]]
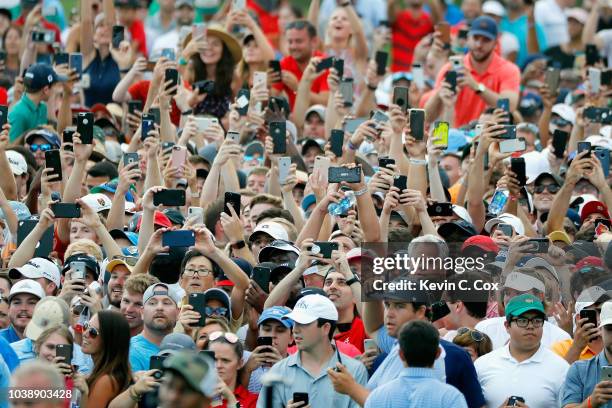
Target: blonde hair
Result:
[[60, 329], [84, 246]]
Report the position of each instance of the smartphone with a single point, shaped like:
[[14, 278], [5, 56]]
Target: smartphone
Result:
[[284, 164], [418, 76], [85, 123], [204, 123], [504, 104], [552, 78], [146, 126], [118, 35], [261, 276], [156, 114], [325, 248], [505, 229], [61, 58], [440, 210], [178, 157], [66, 210], [606, 77], [339, 67], [346, 90], [539, 245], [134, 106], [53, 161], [512, 401], [401, 182], [592, 54], [351, 125], [512, 145], [439, 310], [463, 34], [233, 136], [179, 238], [339, 174], [451, 78], [584, 146], [417, 123], [603, 155], [129, 158], [275, 66], [400, 97], [321, 165], [172, 75], [444, 33], [264, 341], [44, 246], [3, 115], [196, 212], [67, 138], [157, 363], [589, 314], [38, 36], [75, 61], [278, 131], [198, 302], [232, 199], [517, 165], [594, 79], [440, 134], [64, 350], [381, 62], [325, 63], [559, 142], [606, 373], [300, 397], [385, 162], [169, 197], [336, 141], [242, 101], [260, 79], [598, 115], [369, 344]]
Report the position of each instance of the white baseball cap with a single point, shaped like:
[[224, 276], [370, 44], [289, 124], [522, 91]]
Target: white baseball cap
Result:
[[494, 8], [50, 311], [27, 286], [523, 283], [313, 307], [17, 162], [37, 268], [506, 218], [273, 229], [97, 202], [462, 213], [565, 111], [605, 316]]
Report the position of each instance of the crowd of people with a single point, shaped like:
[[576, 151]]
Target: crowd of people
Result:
[[194, 195]]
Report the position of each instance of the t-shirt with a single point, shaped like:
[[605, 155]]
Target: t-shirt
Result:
[[407, 31], [139, 92], [268, 21], [520, 28], [137, 32], [141, 351], [290, 64], [552, 18], [355, 335]]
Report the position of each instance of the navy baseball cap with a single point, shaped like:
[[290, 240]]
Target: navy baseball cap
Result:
[[49, 135], [38, 76], [485, 26]]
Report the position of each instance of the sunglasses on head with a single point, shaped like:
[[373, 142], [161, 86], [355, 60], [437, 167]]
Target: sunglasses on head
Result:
[[215, 311], [552, 188], [90, 330], [42, 147], [474, 334], [229, 336], [130, 260]]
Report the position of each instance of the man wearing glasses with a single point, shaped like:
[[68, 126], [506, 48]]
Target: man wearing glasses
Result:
[[524, 367]]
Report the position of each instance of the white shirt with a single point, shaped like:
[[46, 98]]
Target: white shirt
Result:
[[168, 40], [495, 329], [551, 17], [538, 379]]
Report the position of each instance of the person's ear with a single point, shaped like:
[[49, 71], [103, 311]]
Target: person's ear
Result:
[[438, 352], [403, 358]]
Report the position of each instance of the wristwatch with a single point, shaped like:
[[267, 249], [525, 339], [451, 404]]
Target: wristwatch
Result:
[[352, 280], [480, 89]]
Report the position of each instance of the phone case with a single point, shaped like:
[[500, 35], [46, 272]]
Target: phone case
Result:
[[64, 350], [321, 165], [346, 90], [517, 165], [169, 197], [180, 238], [197, 301], [401, 182], [171, 74], [147, 125], [129, 158], [261, 276], [75, 61], [278, 131], [85, 123], [417, 123], [326, 248], [381, 62], [66, 210], [338, 174], [451, 78], [336, 141], [339, 67], [53, 161], [400, 97], [325, 63], [179, 155], [45, 244], [441, 134], [232, 199], [196, 212]]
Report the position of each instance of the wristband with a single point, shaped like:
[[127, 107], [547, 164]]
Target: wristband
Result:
[[418, 162], [351, 146], [181, 61], [372, 88], [589, 404], [124, 71], [187, 112], [361, 192]]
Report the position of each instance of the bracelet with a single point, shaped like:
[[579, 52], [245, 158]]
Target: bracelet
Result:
[[351, 146], [361, 192], [187, 112], [418, 162], [348, 3]]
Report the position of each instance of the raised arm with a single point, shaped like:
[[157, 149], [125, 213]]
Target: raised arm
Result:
[[7, 183], [561, 201], [87, 32]]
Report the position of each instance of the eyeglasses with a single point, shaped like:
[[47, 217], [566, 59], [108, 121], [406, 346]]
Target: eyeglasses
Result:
[[42, 147], [552, 188], [215, 311], [130, 260], [229, 336], [190, 273], [523, 322], [90, 330], [474, 334]]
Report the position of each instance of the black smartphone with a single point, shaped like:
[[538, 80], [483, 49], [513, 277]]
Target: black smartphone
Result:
[[278, 131], [598, 115], [64, 350], [440, 209], [157, 363], [169, 197], [232, 199], [401, 182], [129, 158], [45, 245], [300, 397], [67, 138], [75, 61], [275, 66], [510, 132], [589, 314], [384, 162], [504, 104], [325, 63], [326, 248], [178, 238], [439, 310], [85, 123], [339, 174], [584, 147], [66, 210], [261, 276], [118, 35], [505, 229], [156, 113], [451, 78], [61, 58], [592, 54], [517, 165], [134, 106], [146, 125], [381, 62], [198, 302], [53, 161], [512, 401], [339, 67], [463, 34], [172, 75], [3, 115], [336, 141], [417, 123], [539, 245], [400, 97], [552, 77], [346, 90], [242, 101], [264, 341]]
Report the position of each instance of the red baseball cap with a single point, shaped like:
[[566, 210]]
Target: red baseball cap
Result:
[[481, 241], [594, 207], [588, 261], [160, 219]]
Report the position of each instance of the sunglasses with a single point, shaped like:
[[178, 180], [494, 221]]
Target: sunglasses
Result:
[[90, 330], [42, 147], [552, 188], [229, 336], [474, 334], [130, 260], [215, 311]]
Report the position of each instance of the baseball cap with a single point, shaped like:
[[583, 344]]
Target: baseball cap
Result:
[[462, 213], [113, 263], [577, 14], [37, 268], [276, 313], [174, 216], [318, 269], [481, 241], [130, 236], [559, 236], [254, 147], [312, 307], [485, 26], [17, 162], [549, 175], [50, 311], [221, 296], [174, 342], [27, 286], [605, 316], [536, 261], [159, 219], [161, 289], [588, 261], [40, 75], [308, 143], [91, 263], [594, 207], [523, 283], [49, 135], [461, 226], [277, 245], [506, 218], [522, 304], [97, 202], [181, 3], [565, 112], [307, 201], [494, 8], [196, 369], [271, 228], [589, 296], [20, 209], [318, 109]]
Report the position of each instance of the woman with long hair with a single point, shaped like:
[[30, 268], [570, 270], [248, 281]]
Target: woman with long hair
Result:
[[106, 337], [11, 41]]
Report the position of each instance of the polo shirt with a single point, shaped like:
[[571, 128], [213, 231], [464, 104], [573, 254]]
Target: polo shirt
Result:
[[24, 349], [141, 351], [5, 377], [319, 388], [552, 18], [495, 329], [581, 379], [562, 347], [137, 33], [538, 379], [8, 354], [289, 63], [500, 75], [25, 115], [245, 398], [416, 387], [9, 334], [406, 32], [104, 76], [520, 28]]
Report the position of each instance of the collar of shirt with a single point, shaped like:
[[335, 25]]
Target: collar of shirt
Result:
[[418, 372], [602, 360], [536, 358], [491, 69], [29, 103], [296, 360]]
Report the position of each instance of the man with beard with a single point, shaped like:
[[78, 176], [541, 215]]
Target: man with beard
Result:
[[117, 272], [484, 77], [131, 302], [23, 297], [160, 314]]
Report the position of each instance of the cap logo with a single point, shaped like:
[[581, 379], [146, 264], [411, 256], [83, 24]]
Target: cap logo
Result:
[[50, 78], [101, 201], [529, 300], [29, 75]]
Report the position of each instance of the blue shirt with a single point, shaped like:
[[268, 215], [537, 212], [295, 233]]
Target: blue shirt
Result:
[[24, 349], [520, 28], [104, 76], [581, 379], [5, 377], [416, 388], [9, 334], [8, 354], [141, 351]]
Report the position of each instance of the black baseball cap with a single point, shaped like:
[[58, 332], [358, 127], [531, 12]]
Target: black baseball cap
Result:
[[38, 76]]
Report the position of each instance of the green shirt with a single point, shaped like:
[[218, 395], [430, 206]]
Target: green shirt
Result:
[[25, 115]]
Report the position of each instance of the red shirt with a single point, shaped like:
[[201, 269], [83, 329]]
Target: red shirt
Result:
[[47, 25], [267, 21], [245, 398], [3, 96], [355, 335], [137, 31], [407, 31], [345, 348], [289, 63], [140, 90], [501, 75]]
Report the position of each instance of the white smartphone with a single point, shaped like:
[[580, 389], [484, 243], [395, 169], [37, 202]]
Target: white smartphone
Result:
[[512, 145], [284, 164], [456, 62], [369, 344], [595, 80], [233, 136], [238, 4], [321, 165], [418, 76], [197, 212], [178, 157], [204, 123], [260, 79], [606, 373]]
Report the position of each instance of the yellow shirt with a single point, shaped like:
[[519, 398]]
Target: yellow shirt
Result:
[[562, 347]]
